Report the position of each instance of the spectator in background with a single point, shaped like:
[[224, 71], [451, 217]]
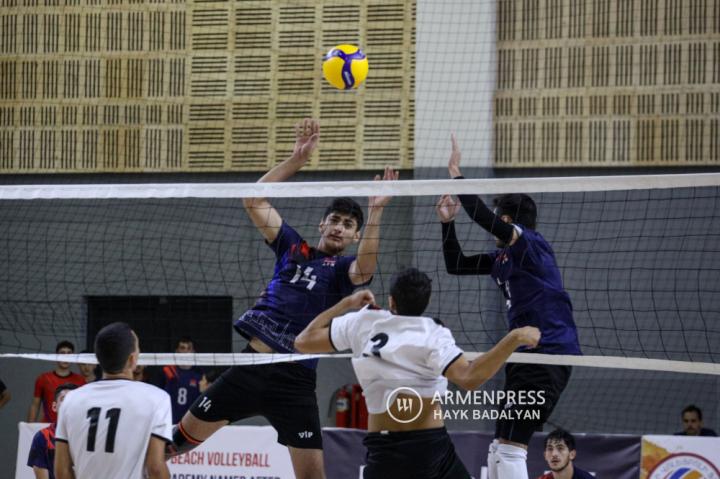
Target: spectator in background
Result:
[[560, 453], [139, 373], [182, 383], [89, 371], [42, 450], [46, 383], [692, 420], [4, 394], [209, 377]]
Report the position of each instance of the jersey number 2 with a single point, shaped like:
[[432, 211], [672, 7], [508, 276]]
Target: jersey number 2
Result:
[[113, 415], [379, 340]]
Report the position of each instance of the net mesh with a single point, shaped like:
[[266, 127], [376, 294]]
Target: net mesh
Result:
[[640, 265]]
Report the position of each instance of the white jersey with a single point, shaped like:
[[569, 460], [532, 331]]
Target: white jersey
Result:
[[107, 425], [392, 352]]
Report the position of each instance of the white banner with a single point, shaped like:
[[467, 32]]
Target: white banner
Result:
[[680, 457], [234, 452], [26, 432]]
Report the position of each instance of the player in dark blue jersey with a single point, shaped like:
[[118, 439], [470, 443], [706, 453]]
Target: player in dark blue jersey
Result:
[[42, 450], [182, 383], [306, 282], [525, 269]]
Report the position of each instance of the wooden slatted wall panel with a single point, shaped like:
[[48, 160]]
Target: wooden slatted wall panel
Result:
[[169, 85]]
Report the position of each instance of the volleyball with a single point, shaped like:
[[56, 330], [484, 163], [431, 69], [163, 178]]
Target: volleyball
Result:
[[345, 67]]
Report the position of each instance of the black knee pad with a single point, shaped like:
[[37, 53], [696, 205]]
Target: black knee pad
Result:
[[181, 443]]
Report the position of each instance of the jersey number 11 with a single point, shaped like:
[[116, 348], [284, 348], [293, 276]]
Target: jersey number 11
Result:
[[113, 415]]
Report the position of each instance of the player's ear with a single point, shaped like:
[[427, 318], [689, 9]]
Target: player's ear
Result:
[[321, 226], [391, 303], [54, 406], [573, 453], [357, 235]]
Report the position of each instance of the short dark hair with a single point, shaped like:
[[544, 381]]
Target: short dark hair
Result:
[[346, 206], [64, 387], [692, 408], [520, 207], [64, 344], [185, 339], [113, 345], [561, 435], [410, 288]]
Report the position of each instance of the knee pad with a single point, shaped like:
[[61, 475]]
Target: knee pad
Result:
[[492, 460], [511, 462], [182, 442]]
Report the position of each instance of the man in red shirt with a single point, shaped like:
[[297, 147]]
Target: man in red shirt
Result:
[[46, 383], [559, 454]]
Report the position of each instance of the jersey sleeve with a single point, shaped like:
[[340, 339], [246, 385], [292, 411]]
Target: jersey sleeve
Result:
[[341, 331], [162, 417], [38, 386], [61, 426], [37, 456], [443, 350], [285, 238], [345, 285]]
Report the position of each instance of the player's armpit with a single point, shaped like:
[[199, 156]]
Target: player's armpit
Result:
[[265, 218], [63, 461], [155, 459]]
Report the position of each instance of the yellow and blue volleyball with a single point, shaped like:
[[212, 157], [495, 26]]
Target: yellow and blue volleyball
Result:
[[345, 67]]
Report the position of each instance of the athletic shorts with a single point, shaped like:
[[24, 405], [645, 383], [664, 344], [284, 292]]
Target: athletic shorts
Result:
[[283, 393], [550, 380], [423, 454]]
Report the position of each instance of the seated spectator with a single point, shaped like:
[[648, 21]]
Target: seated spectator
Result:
[[46, 383], [692, 420], [560, 453], [42, 450]]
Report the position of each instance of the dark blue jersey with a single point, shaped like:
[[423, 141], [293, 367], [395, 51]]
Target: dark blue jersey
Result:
[[42, 450], [183, 386], [530, 280], [577, 474], [305, 283]]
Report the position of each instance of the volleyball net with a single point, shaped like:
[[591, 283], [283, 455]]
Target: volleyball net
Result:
[[638, 254]]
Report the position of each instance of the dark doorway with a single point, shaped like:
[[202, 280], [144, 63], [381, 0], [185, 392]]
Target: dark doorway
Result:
[[160, 321]]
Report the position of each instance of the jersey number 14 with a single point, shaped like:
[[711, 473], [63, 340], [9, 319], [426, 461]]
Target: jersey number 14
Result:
[[304, 275]]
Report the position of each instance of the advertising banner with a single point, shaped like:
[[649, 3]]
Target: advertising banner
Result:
[[234, 452], [681, 457]]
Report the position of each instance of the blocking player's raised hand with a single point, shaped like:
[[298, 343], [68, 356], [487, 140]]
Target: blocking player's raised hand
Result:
[[455, 156], [307, 135], [447, 208], [382, 201]]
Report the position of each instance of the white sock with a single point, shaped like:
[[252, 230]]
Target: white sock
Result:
[[492, 460], [512, 462]]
